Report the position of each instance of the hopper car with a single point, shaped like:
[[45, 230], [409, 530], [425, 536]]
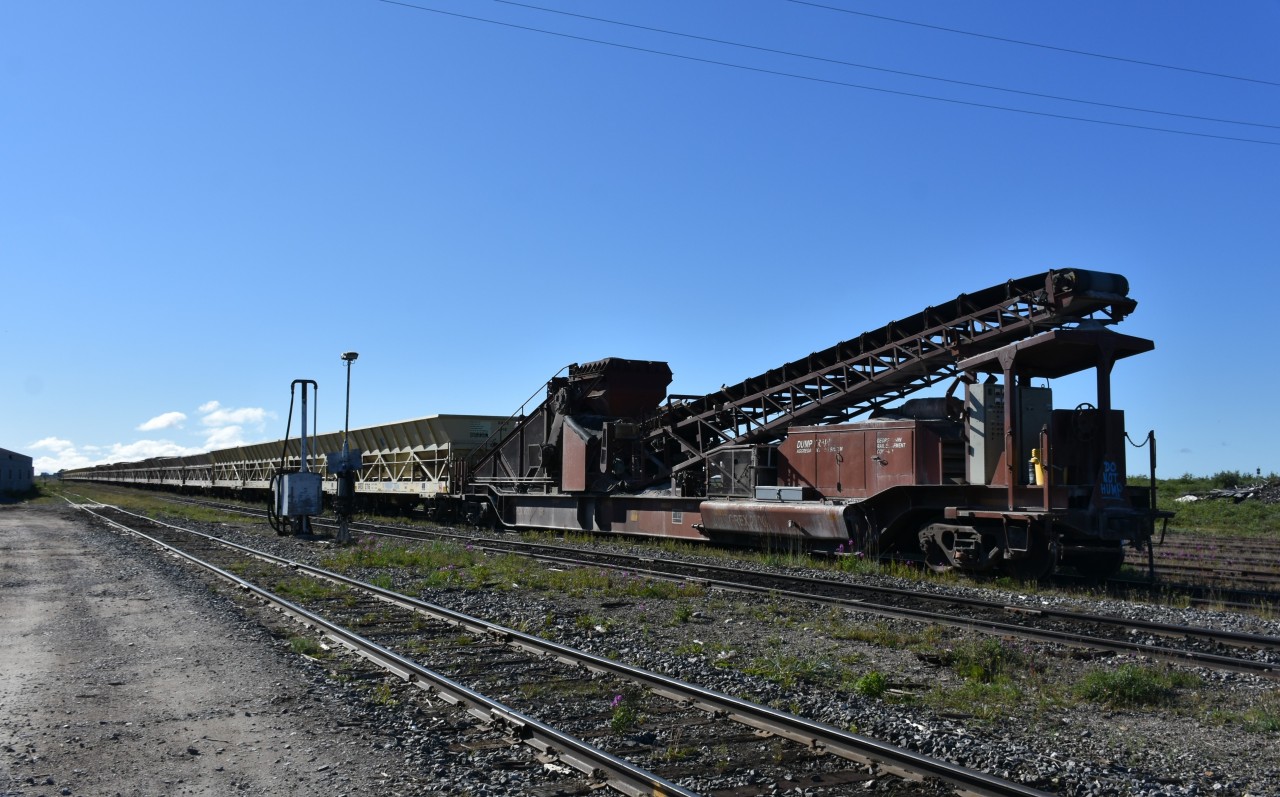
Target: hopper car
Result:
[[835, 450]]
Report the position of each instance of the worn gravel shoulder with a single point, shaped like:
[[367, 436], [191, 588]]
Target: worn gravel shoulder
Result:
[[123, 674]]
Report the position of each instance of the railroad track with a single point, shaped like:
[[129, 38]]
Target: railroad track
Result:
[[1249, 653], [1213, 648], [1215, 582], [461, 658]]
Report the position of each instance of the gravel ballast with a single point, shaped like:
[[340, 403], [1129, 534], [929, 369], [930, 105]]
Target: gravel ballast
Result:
[[1196, 745]]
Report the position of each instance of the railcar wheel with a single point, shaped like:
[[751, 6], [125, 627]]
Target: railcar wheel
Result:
[[936, 559]]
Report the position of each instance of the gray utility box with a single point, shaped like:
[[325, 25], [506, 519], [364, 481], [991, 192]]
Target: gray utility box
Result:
[[299, 494], [985, 406], [774, 493]]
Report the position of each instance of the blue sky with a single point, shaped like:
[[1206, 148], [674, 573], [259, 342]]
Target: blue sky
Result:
[[202, 201]]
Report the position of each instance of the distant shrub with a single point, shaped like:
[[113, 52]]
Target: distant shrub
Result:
[[1229, 479]]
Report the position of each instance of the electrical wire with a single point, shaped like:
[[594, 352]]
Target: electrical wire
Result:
[[1036, 44], [829, 81], [1114, 106]]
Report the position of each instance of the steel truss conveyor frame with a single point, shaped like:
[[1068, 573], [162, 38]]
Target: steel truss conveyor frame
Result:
[[882, 366]]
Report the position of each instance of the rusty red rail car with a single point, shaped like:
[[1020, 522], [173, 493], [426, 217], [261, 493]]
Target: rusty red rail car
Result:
[[992, 478]]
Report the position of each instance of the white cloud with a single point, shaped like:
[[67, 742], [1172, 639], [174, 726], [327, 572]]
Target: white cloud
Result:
[[223, 428], [225, 437], [165, 421], [65, 455], [146, 449], [253, 416], [54, 444], [228, 426]]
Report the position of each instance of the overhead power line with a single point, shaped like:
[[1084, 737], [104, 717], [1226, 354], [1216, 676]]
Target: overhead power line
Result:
[[792, 54], [1035, 44], [825, 81]]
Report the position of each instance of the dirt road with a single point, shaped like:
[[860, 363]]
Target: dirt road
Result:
[[118, 679]]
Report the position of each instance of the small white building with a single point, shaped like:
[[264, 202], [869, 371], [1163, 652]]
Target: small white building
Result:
[[16, 472]]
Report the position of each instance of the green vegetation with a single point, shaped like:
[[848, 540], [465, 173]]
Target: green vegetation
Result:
[[1218, 516], [872, 684], [1263, 718], [626, 712], [985, 660], [999, 676], [841, 625], [303, 588], [384, 695], [589, 622], [306, 646], [787, 669], [151, 504], [1131, 685], [676, 753], [448, 565]]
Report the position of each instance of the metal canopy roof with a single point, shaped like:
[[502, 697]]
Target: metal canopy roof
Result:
[[434, 432], [1058, 353]]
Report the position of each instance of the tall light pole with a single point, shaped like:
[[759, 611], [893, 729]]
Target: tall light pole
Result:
[[348, 357], [346, 472]]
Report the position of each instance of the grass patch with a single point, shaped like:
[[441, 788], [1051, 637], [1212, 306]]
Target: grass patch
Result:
[[589, 622], [872, 684], [384, 695], [676, 753], [306, 646], [985, 660], [999, 678], [996, 700], [151, 504], [1262, 719], [447, 565], [1131, 685], [302, 588], [839, 625], [787, 670]]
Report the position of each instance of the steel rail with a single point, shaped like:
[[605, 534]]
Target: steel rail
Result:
[[622, 775], [1215, 661], [1070, 639], [820, 736], [987, 626]]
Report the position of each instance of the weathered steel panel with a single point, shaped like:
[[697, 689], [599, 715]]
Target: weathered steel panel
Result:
[[810, 521]]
